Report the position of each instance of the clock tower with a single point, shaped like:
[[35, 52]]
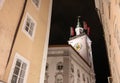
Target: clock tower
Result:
[[82, 43]]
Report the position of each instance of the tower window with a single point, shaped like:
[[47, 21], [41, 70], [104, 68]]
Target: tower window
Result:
[[72, 68], [59, 66], [59, 78], [78, 74], [19, 70], [29, 26]]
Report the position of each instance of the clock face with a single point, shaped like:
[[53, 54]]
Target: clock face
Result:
[[78, 46]]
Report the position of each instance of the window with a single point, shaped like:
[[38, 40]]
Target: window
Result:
[[72, 68], [59, 78], [83, 77], [46, 66], [78, 74], [29, 26], [60, 66], [19, 70], [36, 3], [72, 74], [1, 3]]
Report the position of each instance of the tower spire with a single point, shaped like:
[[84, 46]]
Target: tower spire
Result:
[[78, 22], [78, 29]]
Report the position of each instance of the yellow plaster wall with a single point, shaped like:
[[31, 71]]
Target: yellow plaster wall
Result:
[[32, 50], [9, 16]]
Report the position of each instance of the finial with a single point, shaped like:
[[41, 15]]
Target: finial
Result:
[[78, 22], [78, 29]]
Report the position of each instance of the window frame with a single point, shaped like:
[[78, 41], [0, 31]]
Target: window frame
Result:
[[59, 66], [24, 25], [57, 77], [36, 5], [16, 57]]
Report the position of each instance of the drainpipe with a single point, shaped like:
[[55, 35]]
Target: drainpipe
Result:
[[16, 31]]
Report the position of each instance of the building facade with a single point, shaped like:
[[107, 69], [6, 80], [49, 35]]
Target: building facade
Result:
[[24, 34], [66, 65], [109, 14], [71, 63]]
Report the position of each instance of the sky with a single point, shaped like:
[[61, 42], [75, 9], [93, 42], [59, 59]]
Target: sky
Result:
[[64, 15]]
